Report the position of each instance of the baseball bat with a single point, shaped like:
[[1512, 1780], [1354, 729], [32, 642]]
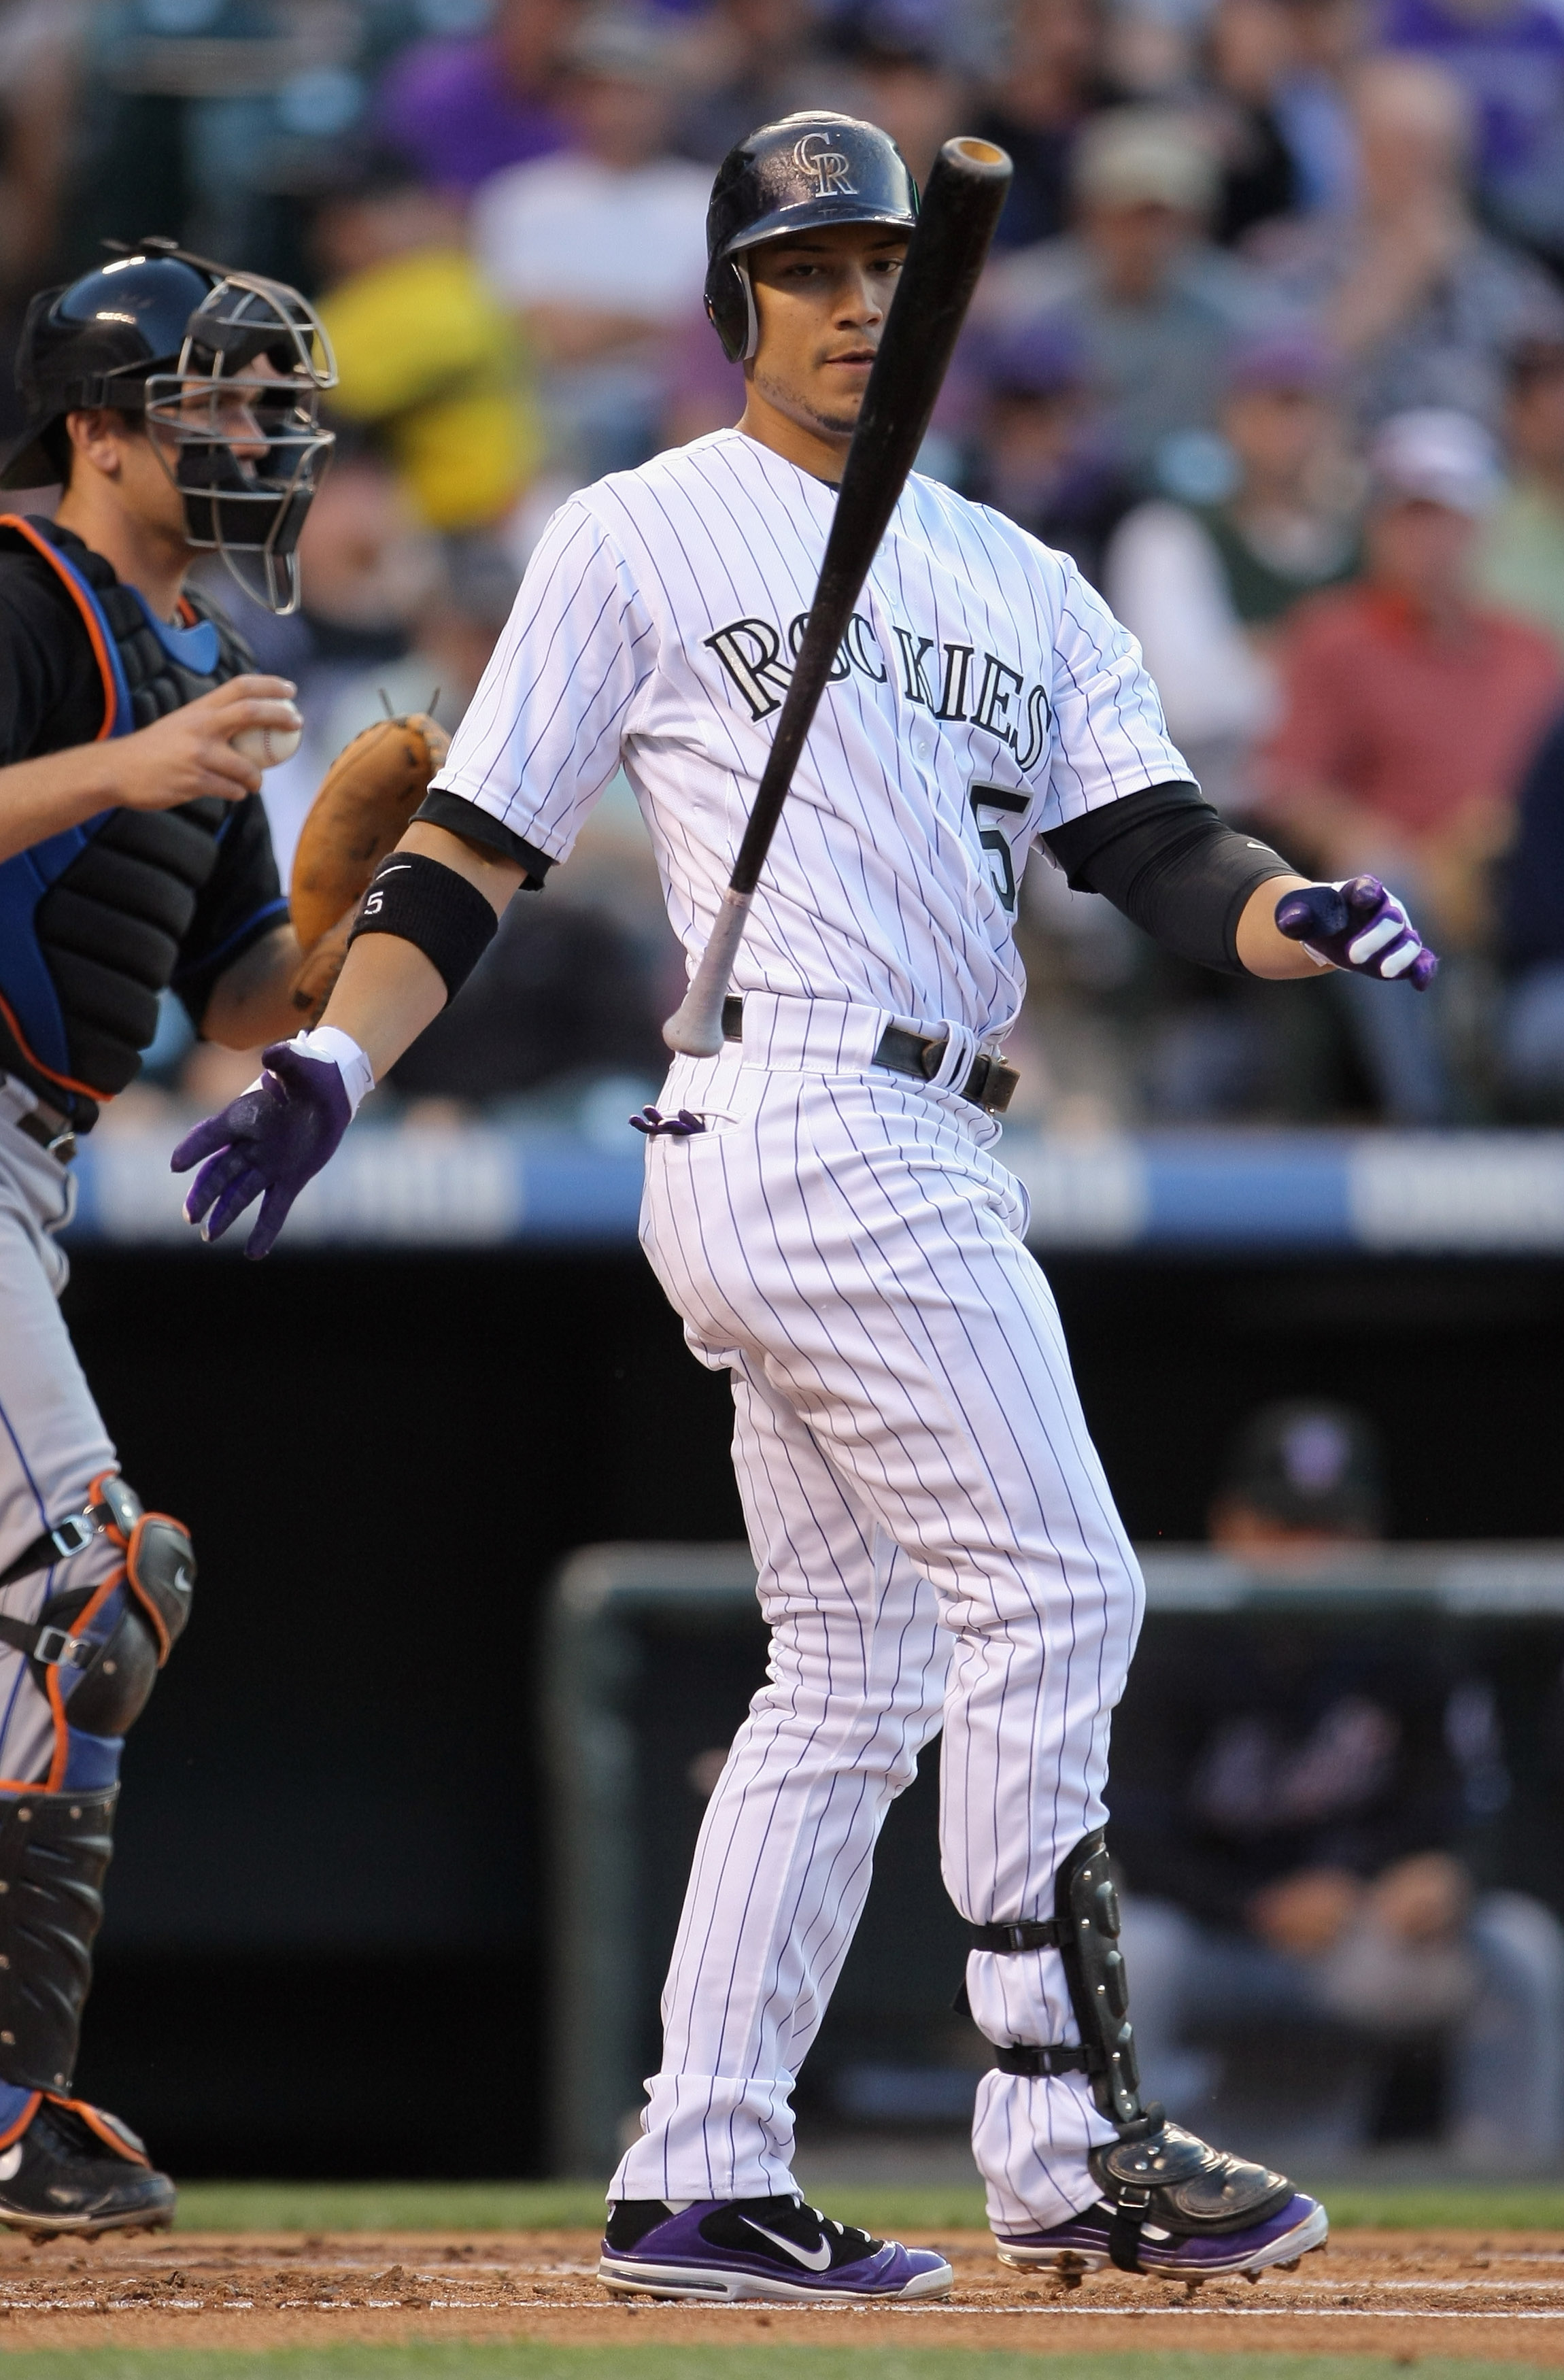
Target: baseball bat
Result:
[[961, 206]]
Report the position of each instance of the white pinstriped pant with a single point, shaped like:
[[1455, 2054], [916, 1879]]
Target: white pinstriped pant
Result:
[[935, 1543]]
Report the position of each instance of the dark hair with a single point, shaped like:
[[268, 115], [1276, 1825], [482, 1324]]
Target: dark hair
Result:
[[59, 446]]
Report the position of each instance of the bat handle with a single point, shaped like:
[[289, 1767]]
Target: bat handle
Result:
[[695, 1029]]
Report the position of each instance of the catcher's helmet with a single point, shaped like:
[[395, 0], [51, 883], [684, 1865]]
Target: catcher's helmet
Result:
[[227, 370], [807, 169]]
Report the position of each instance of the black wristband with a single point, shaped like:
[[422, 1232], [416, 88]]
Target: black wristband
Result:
[[427, 904]]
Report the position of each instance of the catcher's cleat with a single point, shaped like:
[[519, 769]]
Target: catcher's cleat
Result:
[[76, 2169], [725, 2250], [1173, 2206]]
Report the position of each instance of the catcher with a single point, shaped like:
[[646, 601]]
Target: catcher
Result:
[[177, 405]]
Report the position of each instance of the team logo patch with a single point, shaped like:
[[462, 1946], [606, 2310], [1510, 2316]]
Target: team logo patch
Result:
[[826, 167]]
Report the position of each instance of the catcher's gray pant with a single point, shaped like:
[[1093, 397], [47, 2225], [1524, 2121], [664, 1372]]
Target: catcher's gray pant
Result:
[[937, 1544], [53, 1444]]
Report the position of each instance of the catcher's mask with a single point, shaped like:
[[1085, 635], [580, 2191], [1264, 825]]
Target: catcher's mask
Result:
[[227, 370], [804, 171]]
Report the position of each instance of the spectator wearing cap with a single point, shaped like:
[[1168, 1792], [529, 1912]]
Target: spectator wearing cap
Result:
[[1052, 78], [903, 58], [1155, 305], [1521, 562], [1205, 585], [1040, 454], [1410, 710], [1289, 1799], [601, 247], [460, 109], [1423, 304]]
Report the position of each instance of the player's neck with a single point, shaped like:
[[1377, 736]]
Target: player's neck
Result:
[[819, 453], [143, 554]]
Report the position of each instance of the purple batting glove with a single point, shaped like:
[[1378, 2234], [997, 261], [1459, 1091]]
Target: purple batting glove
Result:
[[266, 1143], [1361, 926]]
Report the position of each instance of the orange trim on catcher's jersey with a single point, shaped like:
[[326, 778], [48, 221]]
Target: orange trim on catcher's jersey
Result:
[[65, 1082], [41, 546]]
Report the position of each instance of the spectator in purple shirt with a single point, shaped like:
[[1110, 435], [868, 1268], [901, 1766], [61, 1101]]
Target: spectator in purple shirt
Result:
[[460, 109], [1508, 57]]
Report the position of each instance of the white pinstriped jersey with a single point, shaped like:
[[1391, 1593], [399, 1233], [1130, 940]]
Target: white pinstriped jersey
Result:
[[984, 693]]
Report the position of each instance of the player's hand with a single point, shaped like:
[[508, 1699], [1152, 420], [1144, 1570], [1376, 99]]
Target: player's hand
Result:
[[266, 1143], [189, 752], [1307, 1911], [1424, 1899], [1359, 925]]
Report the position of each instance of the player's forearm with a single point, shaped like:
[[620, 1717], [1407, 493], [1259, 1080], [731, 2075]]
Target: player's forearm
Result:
[[388, 991], [1264, 948], [38, 798], [251, 1001]]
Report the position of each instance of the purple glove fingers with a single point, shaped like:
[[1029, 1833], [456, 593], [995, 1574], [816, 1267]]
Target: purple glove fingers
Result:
[[1359, 925], [276, 1209], [240, 1189], [212, 1180], [268, 1143]]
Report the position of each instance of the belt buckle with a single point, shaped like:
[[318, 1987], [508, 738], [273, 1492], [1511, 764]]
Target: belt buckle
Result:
[[56, 1648], [63, 1146], [70, 1535]]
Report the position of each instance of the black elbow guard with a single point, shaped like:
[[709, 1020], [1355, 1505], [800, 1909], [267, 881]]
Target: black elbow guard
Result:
[[1172, 864], [429, 905]]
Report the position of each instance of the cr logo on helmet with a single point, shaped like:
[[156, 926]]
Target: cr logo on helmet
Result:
[[826, 167]]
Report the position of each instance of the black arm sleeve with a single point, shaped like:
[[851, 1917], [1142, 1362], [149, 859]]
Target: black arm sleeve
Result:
[[1172, 864], [464, 818]]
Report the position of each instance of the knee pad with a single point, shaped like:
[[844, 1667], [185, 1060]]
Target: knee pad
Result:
[[97, 1649]]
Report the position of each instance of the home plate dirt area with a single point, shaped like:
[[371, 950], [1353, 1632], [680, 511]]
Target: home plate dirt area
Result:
[[1397, 2295]]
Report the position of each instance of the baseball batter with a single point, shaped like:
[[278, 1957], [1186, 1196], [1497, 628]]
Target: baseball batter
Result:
[[825, 1206]]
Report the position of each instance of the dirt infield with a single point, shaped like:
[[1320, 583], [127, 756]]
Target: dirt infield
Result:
[[1402, 2295]]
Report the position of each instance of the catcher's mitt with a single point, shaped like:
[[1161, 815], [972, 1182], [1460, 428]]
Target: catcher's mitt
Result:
[[366, 799]]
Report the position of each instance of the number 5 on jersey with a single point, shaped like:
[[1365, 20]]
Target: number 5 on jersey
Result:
[[1001, 873]]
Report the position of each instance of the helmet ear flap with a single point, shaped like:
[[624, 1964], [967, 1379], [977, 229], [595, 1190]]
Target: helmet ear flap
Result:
[[730, 305]]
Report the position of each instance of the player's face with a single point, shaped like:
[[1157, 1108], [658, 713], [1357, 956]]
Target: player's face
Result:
[[823, 298]]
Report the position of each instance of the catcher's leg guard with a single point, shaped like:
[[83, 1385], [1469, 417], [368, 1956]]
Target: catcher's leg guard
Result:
[[95, 1652], [1156, 2178]]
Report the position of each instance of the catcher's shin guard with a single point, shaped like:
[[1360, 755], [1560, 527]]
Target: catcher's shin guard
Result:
[[1154, 2174], [94, 1652]]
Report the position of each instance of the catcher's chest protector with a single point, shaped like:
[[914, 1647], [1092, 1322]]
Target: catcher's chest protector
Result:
[[91, 921]]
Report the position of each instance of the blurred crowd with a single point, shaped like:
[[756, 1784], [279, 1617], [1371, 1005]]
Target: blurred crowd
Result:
[[1272, 343]]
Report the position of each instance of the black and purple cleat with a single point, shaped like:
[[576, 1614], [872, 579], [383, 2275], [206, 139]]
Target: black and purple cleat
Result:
[[1174, 2206], [773, 2248]]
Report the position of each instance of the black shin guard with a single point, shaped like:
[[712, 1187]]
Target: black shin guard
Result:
[[1087, 1923], [55, 1850]]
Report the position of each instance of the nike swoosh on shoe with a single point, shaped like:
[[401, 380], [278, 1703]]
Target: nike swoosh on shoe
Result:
[[814, 2259]]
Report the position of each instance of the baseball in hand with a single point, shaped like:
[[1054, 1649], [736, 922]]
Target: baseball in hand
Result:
[[269, 746]]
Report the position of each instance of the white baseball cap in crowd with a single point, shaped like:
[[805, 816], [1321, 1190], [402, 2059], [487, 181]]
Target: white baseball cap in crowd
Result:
[[1440, 455]]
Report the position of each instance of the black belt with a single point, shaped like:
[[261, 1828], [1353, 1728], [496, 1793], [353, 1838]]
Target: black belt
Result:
[[989, 1084], [54, 1132]]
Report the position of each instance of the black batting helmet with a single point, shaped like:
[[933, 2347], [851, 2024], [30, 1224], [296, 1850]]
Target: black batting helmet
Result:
[[807, 169], [182, 342]]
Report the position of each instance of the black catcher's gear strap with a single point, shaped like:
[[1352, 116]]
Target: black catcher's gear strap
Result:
[[1051, 2057], [114, 1512], [1173, 865], [159, 1571], [427, 904], [1026, 1934]]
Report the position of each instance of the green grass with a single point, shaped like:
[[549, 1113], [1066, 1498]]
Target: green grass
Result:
[[450, 2359], [578, 2207]]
